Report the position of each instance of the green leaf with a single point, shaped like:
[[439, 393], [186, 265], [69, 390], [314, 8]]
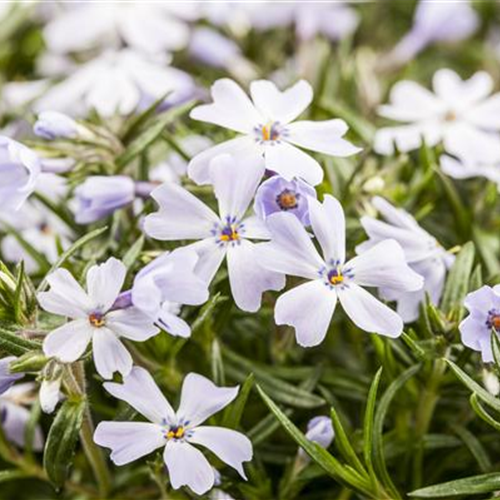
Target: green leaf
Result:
[[130, 258], [475, 447], [484, 483], [15, 345], [457, 284], [12, 475], [481, 393], [482, 413], [378, 428], [495, 347], [138, 145], [320, 456], [233, 414], [61, 441], [368, 425], [69, 252]]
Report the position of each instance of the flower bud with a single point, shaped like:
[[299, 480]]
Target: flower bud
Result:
[[52, 125], [7, 378]]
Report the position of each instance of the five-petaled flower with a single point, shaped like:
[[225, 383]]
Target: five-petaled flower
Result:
[[309, 307], [93, 319], [423, 254], [175, 431], [267, 128], [182, 216]]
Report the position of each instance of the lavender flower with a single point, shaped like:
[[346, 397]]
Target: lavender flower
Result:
[[176, 432], [277, 194], [7, 379]]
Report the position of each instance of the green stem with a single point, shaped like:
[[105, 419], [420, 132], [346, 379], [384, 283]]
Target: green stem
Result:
[[76, 384]]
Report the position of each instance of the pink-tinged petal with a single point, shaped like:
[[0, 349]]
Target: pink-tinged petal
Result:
[[384, 265], [201, 398], [323, 136], [309, 309], [110, 355], [328, 224], [291, 250], [182, 216], [129, 441], [68, 342], [140, 391], [410, 102], [187, 466], [368, 313], [281, 106], [199, 166], [66, 297], [248, 279], [131, 323], [232, 447], [289, 162], [104, 282], [172, 324], [211, 255], [235, 180], [231, 108]]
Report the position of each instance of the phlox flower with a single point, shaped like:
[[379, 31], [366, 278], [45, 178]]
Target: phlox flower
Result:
[[423, 253], [116, 82], [144, 26], [460, 113], [484, 319], [182, 216], [175, 431], [309, 307], [19, 172], [469, 167], [92, 318], [164, 284], [436, 22], [14, 416], [266, 126], [7, 379], [320, 430], [279, 195]]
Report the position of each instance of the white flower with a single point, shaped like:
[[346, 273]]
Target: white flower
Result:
[[182, 216], [176, 431], [265, 123], [19, 173], [93, 319], [309, 307], [14, 417], [166, 282], [467, 168], [50, 394], [422, 252], [144, 26], [116, 82], [460, 114], [52, 125]]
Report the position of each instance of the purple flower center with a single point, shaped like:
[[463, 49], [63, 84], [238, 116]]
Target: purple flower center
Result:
[[336, 274], [288, 199], [230, 232], [493, 320], [97, 320], [270, 132]]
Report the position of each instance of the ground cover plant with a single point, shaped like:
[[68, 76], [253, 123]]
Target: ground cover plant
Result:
[[250, 251]]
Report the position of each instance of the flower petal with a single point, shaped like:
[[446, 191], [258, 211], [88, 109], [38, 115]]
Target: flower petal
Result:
[[235, 180], [368, 313], [248, 279], [110, 355], [199, 166], [289, 162], [182, 216], [231, 108], [291, 250], [328, 224], [131, 323], [104, 282], [232, 447], [68, 342], [201, 398], [309, 309], [172, 324], [323, 136], [14, 425], [187, 466], [140, 391], [66, 297], [281, 106], [129, 441], [210, 259], [384, 264]]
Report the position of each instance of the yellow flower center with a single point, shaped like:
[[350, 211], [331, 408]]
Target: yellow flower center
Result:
[[230, 233], [287, 200], [97, 320], [176, 433], [335, 276]]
